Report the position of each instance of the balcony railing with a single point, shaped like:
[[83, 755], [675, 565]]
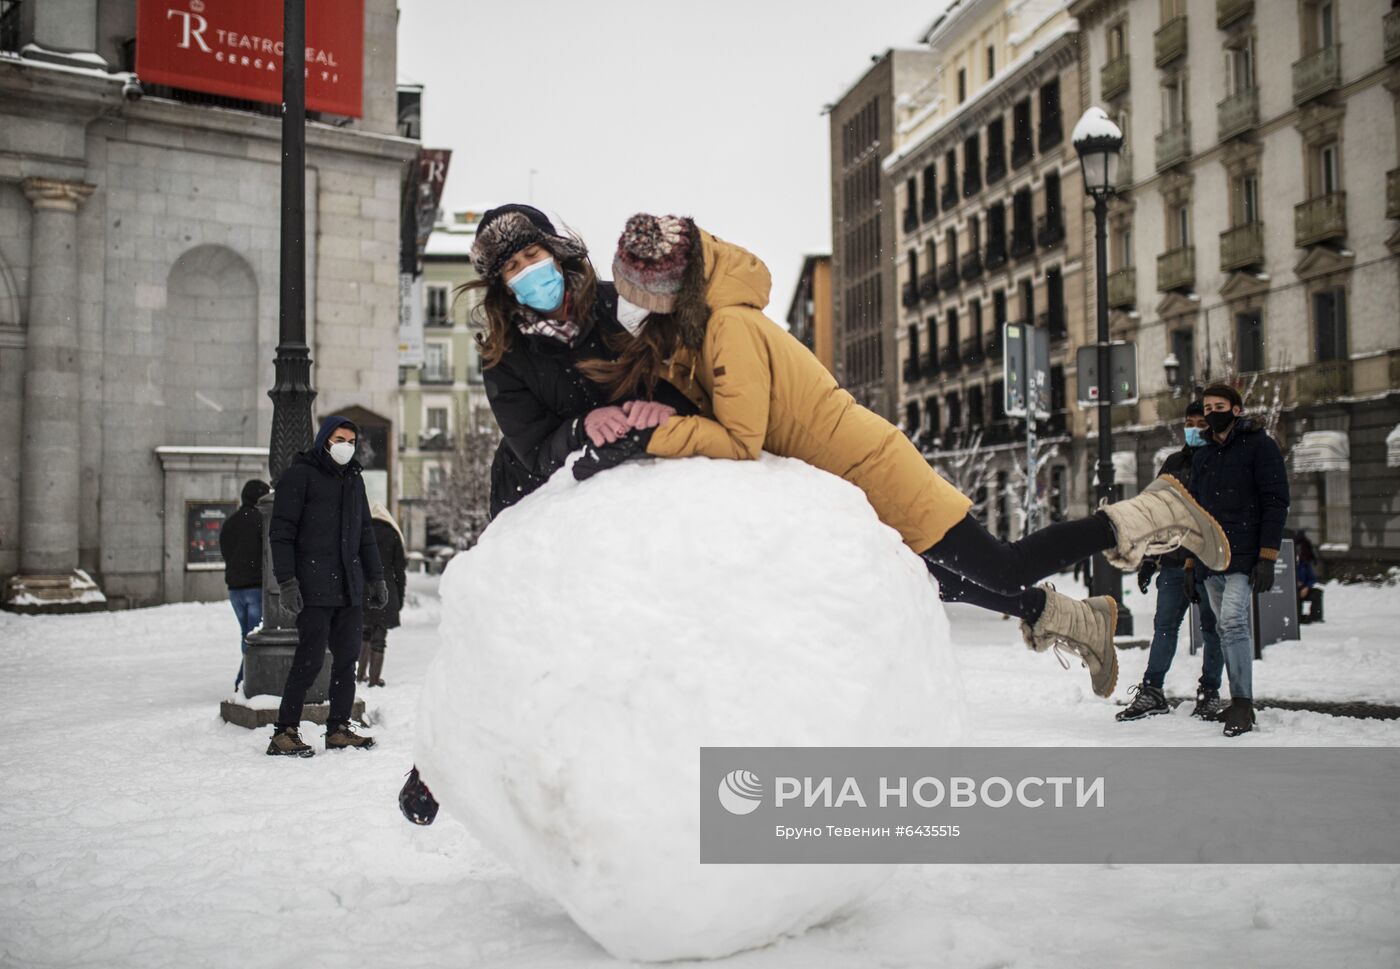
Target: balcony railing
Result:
[[1176, 269], [1169, 41], [1122, 288], [909, 296], [971, 265], [911, 220], [948, 277], [1317, 73], [1228, 11], [1242, 246], [1174, 145], [949, 361], [928, 285], [972, 351], [1392, 36], [930, 365], [996, 254], [1320, 220], [437, 319], [1049, 230], [434, 439], [1113, 78], [1322, 381], [949, 199], [1022, 241], [1237, 114], [435, 374], [1392, 194]]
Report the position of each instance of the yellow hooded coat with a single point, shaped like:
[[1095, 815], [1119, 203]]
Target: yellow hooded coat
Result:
[[769, 393]]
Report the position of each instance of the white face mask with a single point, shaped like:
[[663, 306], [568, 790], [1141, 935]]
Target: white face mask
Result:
[[342, 452], [631, 316]]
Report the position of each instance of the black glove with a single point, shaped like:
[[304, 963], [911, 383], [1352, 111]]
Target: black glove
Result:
[[1193, 594], [607, 456], [1262, 579], [377, 595], [291, 596], [1145, 574]]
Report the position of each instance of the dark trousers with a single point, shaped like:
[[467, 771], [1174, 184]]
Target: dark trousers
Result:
[[973, 565], [1172, 607], [376, 638], [320, 628]]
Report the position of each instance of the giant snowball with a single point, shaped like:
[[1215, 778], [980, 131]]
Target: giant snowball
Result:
[[601, 633]]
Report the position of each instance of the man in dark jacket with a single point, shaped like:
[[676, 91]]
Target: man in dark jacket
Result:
[[1173, 604], [323, 550], [1240, 478], [240, 544]]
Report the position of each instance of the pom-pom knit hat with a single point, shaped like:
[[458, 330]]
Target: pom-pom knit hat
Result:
[[505, 230], [651, 259]]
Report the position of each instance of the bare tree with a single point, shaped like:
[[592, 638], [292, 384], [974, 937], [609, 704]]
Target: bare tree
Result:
[[1262, 391], [1036, 502], [966, 467], [460, 507]]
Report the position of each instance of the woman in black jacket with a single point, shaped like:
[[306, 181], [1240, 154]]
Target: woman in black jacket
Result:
[[375, 636]]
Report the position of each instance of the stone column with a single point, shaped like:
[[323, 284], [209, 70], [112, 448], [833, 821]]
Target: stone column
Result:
[[49, 465]]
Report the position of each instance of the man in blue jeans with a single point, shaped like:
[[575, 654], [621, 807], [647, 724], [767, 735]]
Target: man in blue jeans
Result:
[[1238, 476], [240, 544], [1173, 604]]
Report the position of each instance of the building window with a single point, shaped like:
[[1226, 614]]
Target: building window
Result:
[[1171, 9], [998, 308], [1239, 67], [962, 85], [932, 417], [435, 422], [911, 418], [974, 329], [954, 406], [1245, 190], [1028, 301], [1022, 145], [1055, 303], [1249, 341], [1326, 169], [950, 180], [1319, 25], [438, 297], [991, 62], [976, 407], [437, 362], [1173, 102], [1051, 124], [1116, 41], [1183, 344], [972, 166], [932, 340], [953, 336], [998, 401], [930, 203], [1178, 226], [996, 150], [1330, 324]]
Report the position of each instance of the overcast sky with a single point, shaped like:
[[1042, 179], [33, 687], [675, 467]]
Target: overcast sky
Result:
[[708, 108]]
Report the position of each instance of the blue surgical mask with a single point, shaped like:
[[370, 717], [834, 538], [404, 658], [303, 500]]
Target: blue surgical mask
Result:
[[539, 286], [1195, 437]]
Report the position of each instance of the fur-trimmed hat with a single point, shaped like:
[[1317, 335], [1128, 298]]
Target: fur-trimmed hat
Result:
[[505, 230], [651, 259]]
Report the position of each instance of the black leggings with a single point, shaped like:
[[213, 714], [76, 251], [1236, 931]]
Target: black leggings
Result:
[[973, 565]]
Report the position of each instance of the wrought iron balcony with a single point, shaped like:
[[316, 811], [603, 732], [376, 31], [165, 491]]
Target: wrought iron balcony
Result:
[[1320, 220], [434, 439], [1176, 269], [995, 257], [1392, 36], [437, 319], [909, 296], [1317, 74], [930, 367], [1174, 145], [435, 374], [1122, 288], [1169, 41], [1022, 241], [949, 361], [1228, 11], [1392, 194], [1322, 381], [972, 350], [971, 265], [948, 277], [1242, 247], [928, 285], [1113, 78], [1049, 230], [1237, 114]]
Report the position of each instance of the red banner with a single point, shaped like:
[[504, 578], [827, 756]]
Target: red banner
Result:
[[234, 48]]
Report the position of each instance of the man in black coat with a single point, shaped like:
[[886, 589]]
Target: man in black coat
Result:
[[323, 549], [1239, 476], [241, 546]]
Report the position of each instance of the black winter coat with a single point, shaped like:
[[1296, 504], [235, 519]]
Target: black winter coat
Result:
[[1178, 465], [540, 400], [320, 532], [240, 543], [391, 556], [1244, 484]]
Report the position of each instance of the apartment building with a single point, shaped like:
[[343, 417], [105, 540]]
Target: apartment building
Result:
[[809, 313]]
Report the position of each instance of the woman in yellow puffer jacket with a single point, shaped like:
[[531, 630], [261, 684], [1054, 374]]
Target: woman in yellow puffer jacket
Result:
[[693, 306]]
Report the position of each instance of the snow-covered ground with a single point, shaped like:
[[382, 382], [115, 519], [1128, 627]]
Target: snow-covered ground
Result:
[[137, 829]]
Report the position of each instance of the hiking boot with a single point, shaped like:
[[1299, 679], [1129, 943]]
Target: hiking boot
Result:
[[1148, 702], [1239, 718], [339, 736], [1209, 705], [416, 802], [286, 742], [1162, 518], [1083, 627]]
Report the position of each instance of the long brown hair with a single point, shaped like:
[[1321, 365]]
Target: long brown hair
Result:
[[642, 359], [499, 313]]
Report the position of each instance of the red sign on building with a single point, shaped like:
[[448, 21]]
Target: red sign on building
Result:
[[234, 48]]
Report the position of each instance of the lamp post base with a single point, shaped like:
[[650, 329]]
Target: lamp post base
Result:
[[242, 713]]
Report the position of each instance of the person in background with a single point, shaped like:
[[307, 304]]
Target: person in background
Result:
[[1238, 476], [240, 544], [1173, 605], [1309, 593], [378, 622], [327, 567]]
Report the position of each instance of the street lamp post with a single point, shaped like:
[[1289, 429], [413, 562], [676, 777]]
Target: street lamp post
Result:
[[1098, 141]]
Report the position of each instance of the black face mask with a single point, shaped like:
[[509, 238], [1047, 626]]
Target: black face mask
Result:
[[1220, 421]]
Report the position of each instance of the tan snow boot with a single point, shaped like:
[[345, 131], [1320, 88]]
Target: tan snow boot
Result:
[[287, 743], [1162, 518], [1084, 627], [364, 662]]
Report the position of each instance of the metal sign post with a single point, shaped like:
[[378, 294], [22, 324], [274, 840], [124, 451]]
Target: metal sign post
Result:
[[1026, 383]]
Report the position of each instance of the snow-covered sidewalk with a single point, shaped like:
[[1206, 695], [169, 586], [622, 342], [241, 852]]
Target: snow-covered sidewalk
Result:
[[137, 829]]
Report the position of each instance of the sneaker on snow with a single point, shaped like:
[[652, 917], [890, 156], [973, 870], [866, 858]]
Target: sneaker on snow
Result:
[[1239, 718], [339, 736], [286, 742], [1148, 702], [416, 802], [1209, 705]]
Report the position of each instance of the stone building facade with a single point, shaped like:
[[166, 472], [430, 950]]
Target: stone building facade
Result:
[[809, 311], [1256, 235], [139, 248]]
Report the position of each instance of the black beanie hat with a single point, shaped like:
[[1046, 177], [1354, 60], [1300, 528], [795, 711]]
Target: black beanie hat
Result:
[[254, 490]]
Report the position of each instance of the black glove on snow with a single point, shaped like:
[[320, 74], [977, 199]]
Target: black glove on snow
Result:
[[1145, 574], [377, 595], [291, 596], [1188, 585], [416, 802], [595, 459], [1262, 579]]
